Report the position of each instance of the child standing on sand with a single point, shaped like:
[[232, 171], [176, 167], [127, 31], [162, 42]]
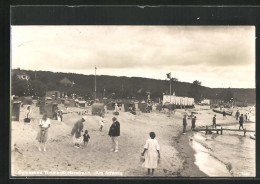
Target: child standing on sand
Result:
[[101, 121], [151, 153], [86, 137]]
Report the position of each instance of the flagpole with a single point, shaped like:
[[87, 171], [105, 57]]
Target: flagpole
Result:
[[95, 85], [170, 95]]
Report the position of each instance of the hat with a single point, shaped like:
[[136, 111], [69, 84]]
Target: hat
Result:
[[114, 118], [84, 117]]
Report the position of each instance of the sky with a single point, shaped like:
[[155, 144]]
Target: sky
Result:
[[218, 56]]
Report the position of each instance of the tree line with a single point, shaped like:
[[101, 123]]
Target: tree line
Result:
[[122, 87]]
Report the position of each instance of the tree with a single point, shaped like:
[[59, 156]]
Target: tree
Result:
[[196, 83], [19, 87], [226, 95], [174, 79], [37, 88], [195, 90]]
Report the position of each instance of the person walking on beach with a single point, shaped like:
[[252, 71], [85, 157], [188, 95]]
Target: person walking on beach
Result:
[[224, 114], [241, 121], [184, 124], [151, 153], [214, 121], [42, 135], [76, 132], [114, 133], [237, 114], [193, 123], [246, 116]]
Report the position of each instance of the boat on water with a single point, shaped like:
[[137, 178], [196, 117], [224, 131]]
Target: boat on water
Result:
[[252, 136], [221, 112]]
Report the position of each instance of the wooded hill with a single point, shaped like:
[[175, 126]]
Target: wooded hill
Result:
[[123, 87]]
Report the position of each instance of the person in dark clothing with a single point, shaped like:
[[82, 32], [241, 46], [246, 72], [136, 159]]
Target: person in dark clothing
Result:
[[214, 121], [193, 122], [241, 121], [86, 137], [114, 133], [246, 117], [184, 124], [237, 114], [224, 114]]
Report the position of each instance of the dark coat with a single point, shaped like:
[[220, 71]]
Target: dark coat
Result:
[[193, 122], [241, 119], [214, 120], [114, 129], [184, 122]]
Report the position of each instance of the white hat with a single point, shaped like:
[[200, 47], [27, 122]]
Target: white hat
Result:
[[85, 118]]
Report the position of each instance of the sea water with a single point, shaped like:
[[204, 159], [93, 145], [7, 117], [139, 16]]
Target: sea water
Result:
[[227, 155]]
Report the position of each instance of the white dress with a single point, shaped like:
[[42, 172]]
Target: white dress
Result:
[[151, 154]]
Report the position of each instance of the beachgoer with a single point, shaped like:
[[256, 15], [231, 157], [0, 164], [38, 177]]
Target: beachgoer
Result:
[[241, 121], [214, 121], [28, 110], [42, 135], [60, 115], [76, 132], [116, 107], [249, 115], [237, 114], [86, 137], [114, 133], [184, 124], [246, 116], [224, 114], [193, 122], [151, 153], [101, 121]]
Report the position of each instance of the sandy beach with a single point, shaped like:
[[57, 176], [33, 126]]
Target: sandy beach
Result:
[[95, 159]]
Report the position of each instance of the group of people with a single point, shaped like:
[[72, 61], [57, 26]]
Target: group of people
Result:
[[151, 151], [193, 123]]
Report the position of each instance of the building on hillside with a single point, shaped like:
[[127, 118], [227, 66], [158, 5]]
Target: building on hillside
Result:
[[205, 102], [55, 94], [67, 82], [20, 74]]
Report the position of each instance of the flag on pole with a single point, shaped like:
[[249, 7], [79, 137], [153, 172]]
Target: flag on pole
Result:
[[168, 75]]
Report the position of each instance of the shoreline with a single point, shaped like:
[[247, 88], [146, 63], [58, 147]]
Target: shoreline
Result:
[[187, 154]]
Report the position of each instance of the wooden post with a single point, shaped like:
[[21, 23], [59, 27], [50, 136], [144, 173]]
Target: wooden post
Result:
[[221, 131], [217, 131], [244, 131]]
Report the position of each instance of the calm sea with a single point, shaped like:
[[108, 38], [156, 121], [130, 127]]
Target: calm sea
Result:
[[230, 154]]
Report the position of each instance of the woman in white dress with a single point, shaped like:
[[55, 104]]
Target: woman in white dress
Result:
[[151, 153]]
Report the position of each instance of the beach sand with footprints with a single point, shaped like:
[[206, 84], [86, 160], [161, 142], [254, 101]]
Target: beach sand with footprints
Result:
[[96, 159]]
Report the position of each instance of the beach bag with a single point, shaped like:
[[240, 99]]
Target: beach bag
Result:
[[142, 159], [27, 120], [116, 113]]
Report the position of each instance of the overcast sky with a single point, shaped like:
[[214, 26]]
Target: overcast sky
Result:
[[218, 56]]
